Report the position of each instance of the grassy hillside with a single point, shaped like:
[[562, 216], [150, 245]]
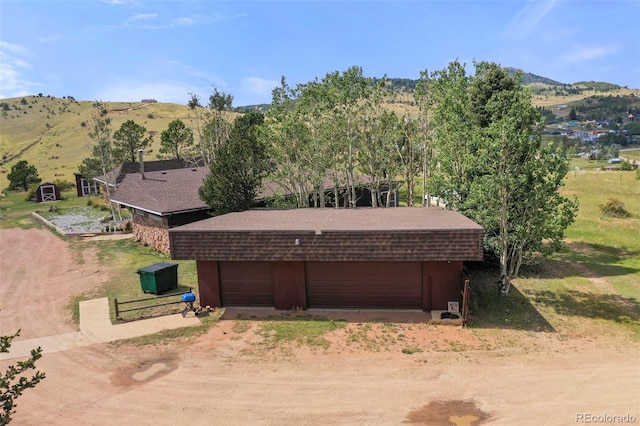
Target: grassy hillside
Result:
[[50, 133]]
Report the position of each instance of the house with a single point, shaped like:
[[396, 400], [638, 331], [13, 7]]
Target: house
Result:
[[405, 257], [84, 186], [47, 191], [160, 200]]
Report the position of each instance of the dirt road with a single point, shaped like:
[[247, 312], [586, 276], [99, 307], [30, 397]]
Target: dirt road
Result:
[[228, 376]]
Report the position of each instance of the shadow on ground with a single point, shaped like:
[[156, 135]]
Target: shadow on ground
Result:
[[610, 307], [491, 310], [590, 260]]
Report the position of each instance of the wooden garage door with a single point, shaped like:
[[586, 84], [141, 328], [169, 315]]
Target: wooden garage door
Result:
[[364, 284], [246, 284]]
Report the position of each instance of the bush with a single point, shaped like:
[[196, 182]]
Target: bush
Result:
[[64, 185], [625, 166], [614, 208]]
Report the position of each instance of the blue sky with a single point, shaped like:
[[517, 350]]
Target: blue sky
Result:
[[127, 50]]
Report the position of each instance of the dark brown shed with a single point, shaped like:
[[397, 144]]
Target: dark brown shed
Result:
[[47, 191], [360, 258]]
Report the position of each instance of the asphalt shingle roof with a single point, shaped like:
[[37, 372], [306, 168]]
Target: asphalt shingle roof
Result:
[[357, 219], [163, 192]]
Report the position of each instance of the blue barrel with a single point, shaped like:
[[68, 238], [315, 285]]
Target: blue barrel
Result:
[[188, 297]]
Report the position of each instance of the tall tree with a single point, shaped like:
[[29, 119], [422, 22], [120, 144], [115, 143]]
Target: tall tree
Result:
[[176, 140], [23, 176], [509, 183], [128, 139], [102, 161], [422, 96], [211, 124], [238, 168], [452, 125], [13, 382]]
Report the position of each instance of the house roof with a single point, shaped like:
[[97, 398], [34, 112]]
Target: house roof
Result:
[[163, 192], [332, 219], [312, 234], [118, 174]]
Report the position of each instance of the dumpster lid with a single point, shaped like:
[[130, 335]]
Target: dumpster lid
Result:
[[157, 267]]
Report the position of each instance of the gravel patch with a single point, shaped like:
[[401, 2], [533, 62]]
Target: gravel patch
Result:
[[80, 220]]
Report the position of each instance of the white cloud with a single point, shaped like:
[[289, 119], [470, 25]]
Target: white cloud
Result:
[[529, 17], [588, 53], [13, 65], [50, 38], [143, 16], [183, 21], [258, 86]]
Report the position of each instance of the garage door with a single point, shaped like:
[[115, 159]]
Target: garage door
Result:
[[246, 284], [364, 284]]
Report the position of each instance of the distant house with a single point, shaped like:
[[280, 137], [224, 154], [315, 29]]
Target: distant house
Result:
[[160, 200], [47, 191]]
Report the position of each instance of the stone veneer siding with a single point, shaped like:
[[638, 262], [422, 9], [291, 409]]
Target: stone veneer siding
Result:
[[151, 232]]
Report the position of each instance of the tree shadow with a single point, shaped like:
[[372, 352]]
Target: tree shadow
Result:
[[489, 309], [589, 260], [610, 307]]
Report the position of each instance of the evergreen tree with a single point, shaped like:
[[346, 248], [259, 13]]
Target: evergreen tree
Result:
[[176, 140], [127, 140], [22, 176], [238, 168]]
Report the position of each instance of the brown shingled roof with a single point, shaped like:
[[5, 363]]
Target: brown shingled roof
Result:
[[331, 219], [126, 168], [163, 192], [312, 234]]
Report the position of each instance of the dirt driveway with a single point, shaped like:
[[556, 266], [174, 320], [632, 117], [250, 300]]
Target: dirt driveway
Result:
[[228, 376]]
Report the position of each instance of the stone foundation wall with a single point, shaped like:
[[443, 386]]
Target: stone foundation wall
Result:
[[151, 232]]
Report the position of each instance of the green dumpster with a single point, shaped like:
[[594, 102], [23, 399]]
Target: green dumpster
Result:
[[159, 278]]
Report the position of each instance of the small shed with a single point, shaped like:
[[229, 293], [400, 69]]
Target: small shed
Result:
[[47, 192], [84, 186]]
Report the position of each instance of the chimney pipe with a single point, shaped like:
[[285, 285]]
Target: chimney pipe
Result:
[[141, 161]]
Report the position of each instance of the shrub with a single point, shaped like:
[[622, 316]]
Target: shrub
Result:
[[625, 166], [64, 185], [614, 208]]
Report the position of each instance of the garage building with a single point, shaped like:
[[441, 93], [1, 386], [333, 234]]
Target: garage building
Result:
[[402, 258]]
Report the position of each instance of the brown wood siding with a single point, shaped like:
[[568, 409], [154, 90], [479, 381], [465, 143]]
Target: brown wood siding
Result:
[[443, 283], [289, 285], [208, 283], [246, 284], [364, 284]]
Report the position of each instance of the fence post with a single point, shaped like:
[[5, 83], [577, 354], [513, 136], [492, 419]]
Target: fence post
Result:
[[115, 305]]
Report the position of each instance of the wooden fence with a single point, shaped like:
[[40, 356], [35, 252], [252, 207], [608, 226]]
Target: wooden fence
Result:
[[119, 310]]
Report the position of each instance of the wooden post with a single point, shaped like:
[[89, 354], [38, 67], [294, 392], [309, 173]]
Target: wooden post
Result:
[[465, 302], [115, 305]]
